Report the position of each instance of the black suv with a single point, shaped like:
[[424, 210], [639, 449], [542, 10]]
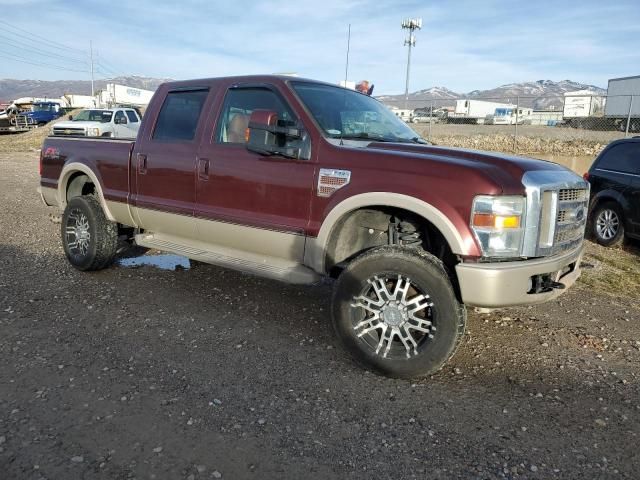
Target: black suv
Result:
[[614, 209]]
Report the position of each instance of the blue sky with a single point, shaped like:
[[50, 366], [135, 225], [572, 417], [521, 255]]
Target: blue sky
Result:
[[463, 45]]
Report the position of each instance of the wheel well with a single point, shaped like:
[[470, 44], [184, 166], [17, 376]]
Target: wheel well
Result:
[[369, 227], [79, 184]]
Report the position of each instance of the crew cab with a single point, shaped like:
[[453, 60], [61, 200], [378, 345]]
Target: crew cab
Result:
[[299, 180], [107, 122]]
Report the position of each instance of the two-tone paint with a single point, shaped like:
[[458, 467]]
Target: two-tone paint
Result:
[[266, 210]]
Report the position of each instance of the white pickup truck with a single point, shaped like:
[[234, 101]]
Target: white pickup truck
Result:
[[109, 122]]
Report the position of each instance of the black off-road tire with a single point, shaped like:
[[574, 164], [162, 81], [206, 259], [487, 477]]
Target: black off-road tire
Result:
[[611, 208], [429, 274], [103, 234]]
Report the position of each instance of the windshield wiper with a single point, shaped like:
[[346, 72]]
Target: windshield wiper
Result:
[[366, 136]]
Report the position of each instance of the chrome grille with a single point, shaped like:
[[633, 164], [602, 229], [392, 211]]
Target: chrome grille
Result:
[[562, 216], [570, 220], [571, 195], [69, 131]]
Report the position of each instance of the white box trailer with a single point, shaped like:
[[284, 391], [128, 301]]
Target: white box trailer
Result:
[[71, 100], [474, 111], [623, 102], [582, 104], [116, 94]]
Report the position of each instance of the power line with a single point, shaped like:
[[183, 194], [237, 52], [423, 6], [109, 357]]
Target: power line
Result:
[[47, 40], [40, 52], [40, 64]]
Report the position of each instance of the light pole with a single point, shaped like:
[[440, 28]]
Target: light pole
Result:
[[411, 24]]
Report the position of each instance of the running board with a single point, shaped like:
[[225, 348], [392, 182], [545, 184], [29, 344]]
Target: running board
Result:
[[263, 266]]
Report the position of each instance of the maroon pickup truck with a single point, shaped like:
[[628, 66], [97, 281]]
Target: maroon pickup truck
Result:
[[297, 180]]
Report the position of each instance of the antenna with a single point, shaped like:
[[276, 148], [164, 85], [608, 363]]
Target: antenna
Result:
[[346, 76], [346, 68]]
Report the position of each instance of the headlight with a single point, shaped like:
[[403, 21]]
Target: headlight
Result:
[[498, 224], [94, 132]]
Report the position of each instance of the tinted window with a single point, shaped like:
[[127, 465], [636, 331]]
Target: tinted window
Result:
[[178, 118], [119, 117], [132, 116], [238, 106], [624, 157]]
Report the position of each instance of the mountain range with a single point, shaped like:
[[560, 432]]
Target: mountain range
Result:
[[10, 89], [541, 94]]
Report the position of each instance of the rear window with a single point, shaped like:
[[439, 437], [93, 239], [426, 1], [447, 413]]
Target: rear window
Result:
[[178, 118], [624, 157]]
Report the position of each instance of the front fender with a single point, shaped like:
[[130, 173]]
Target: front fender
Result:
[[315, 251]]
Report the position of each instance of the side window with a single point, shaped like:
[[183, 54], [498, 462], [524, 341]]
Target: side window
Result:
[[238, 106], [178, 117], [624, 157], [132, 116], [120, 117]]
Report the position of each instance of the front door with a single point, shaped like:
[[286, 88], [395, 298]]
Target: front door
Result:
[[165, 165], [247, 201]]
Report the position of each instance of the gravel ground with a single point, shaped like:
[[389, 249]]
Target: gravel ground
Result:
[[209, 373]]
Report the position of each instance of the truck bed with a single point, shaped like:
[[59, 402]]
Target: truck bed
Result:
[[107, 158]]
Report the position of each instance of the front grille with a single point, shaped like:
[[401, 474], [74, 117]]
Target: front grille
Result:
[[570, 220], [571, 195], [69, 131], [562, 216], [569, 235]]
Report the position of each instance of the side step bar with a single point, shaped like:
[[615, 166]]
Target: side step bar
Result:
[[263, 266]]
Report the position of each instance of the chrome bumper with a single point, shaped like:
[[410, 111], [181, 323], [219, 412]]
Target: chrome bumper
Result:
[[506, 284]]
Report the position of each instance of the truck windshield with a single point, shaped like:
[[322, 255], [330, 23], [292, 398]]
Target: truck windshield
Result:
[[42, 107], [347, 114], [102, 116]]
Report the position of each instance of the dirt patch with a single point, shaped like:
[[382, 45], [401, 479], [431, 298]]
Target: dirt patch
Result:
[[209, 373]]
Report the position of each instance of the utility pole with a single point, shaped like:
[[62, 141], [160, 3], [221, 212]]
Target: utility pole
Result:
[[411, 24], [91, 58]]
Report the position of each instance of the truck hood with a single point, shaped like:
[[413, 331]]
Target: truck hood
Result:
[[505, 170]]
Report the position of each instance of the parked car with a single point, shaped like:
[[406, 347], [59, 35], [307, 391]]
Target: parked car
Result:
[[109, 122], [298, 180], [614, 207], [42, 113]]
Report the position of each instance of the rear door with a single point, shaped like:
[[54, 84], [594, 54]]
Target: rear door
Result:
[[247, 201], [164, 162]]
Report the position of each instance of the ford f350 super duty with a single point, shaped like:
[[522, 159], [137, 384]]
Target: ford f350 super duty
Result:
[[298, 180]]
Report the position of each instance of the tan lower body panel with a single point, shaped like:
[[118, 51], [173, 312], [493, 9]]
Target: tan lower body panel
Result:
[[49, 196], [505, 284], [265, 266]]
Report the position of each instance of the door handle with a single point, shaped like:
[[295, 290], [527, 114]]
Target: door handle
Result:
[[142, 163], [203, 169]]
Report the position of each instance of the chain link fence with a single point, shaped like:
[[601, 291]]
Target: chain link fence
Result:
[[570, 129]]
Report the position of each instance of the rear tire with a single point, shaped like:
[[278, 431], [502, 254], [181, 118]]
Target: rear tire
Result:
[[395, 311], [607, 224], [89, 239]]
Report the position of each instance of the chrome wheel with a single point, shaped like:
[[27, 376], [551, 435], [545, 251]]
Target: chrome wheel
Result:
[[607, 224], [78, 235], [395, 316]]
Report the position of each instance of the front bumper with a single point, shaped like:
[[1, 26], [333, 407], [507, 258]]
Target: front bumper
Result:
[[506, 284]]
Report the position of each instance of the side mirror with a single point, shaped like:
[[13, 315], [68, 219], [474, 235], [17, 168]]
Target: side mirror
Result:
[[120, 121], [267, 135], [70, 117]]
